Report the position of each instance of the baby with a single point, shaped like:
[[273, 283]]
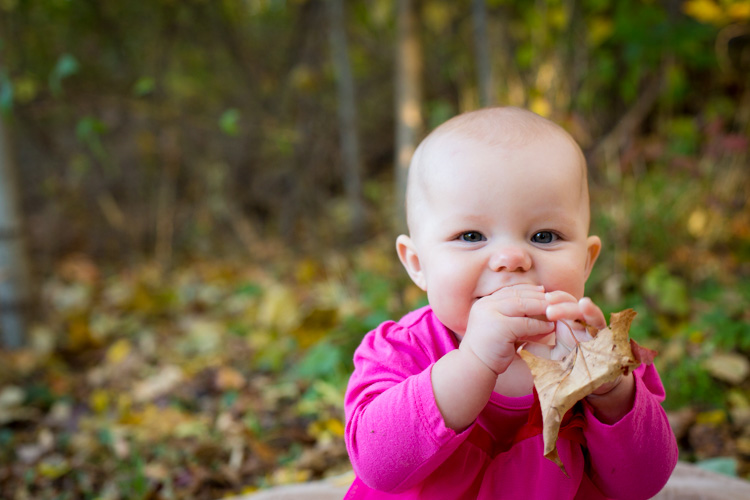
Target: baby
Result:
[[437, 406]]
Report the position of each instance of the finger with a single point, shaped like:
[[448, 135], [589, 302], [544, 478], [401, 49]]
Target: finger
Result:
[[592, 315], [558, 297], [564, 310], [522, 286], [523, 328], [517, 291], [516, 303]]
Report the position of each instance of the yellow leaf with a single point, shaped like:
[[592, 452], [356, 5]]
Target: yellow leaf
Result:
[[558, 17], [279, 309], [336, 426], [600, 28], [53, 467], [705, 11], [739, 11], [79, 333], [697, 223], [541, 106], [713, 418], [99, 401], [118, 351], [307, 270]]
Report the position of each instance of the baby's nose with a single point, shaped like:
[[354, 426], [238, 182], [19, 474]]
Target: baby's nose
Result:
[[510, 258]]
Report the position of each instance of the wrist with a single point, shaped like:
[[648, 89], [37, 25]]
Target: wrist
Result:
[[611, 406], [473, 361]]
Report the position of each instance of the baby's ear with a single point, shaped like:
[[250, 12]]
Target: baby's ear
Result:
[[593, 247], [407, 253]]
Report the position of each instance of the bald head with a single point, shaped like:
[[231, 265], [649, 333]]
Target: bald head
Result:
[[504, 128]]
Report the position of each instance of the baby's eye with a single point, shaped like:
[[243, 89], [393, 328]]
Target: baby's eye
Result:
[[544, 237], [472, 237]]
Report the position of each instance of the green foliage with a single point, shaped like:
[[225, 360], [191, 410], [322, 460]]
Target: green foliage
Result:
[[667, 291]]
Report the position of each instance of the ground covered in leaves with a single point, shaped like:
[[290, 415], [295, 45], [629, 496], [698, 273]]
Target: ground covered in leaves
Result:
[[218, 378]]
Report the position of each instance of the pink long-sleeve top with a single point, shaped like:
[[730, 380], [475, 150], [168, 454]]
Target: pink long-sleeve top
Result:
[[400, 447]]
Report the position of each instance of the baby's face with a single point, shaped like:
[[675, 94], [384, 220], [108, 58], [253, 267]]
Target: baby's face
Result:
[[487, 217]]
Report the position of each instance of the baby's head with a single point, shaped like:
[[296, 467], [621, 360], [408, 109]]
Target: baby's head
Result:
[[492, 129], [496, 197]]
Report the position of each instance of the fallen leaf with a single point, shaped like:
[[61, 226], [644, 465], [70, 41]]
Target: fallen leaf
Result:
[[118, 351], [167, 379], [54, 466], [561, 384], [229, 378], [728, 367]]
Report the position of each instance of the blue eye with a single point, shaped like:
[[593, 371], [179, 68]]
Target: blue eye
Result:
[[472, 237], [544, 237]]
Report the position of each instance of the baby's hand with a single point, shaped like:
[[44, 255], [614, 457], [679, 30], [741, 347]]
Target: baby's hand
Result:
[[568, 312], [499, 321]]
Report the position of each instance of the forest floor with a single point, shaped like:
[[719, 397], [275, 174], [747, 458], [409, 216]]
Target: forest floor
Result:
[[215, 379]]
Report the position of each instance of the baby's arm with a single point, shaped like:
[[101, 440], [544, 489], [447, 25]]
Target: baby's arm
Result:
[[463, 379], [395, 433], [634, 457]]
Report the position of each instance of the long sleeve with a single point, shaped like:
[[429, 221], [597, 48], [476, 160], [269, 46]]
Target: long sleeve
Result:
[[634, 457], [400, 447], [395, 433]]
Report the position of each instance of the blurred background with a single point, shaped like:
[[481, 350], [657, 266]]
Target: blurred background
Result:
[[199, 202]]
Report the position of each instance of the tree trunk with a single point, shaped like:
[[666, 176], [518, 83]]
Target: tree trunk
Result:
[[408, 101], [14, 267], [485, 79], [347, 113]]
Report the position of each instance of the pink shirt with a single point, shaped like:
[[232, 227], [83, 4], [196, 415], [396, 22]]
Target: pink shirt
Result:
[[400, 447]]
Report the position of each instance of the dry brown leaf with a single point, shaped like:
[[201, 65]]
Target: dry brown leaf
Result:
[[561, 384]]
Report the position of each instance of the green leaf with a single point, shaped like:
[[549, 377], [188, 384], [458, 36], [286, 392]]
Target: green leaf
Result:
[[230, 122], [66, 66], [322, 360], [670, 292], [145, 85]]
